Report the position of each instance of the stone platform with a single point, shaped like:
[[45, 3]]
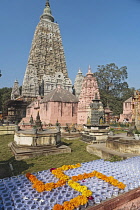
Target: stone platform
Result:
[[124, 144], [25, 152], [4, 129], [119, 145], [95, 136], [28, 144], [103, 152]]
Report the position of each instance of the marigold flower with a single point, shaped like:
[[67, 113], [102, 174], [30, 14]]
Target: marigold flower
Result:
[[80, 177], [83, 200], [59, 183], [67, 206], [121, 185], [49, 186], [58, 207], [87, 193], [75, 178], [67, 167], [75, 202], [32, 178], [28, 175]]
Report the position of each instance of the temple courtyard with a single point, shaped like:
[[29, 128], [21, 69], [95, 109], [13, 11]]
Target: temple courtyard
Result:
[[77, 177]]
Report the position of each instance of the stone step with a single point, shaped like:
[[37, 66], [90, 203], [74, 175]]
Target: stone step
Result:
[[24, 152]]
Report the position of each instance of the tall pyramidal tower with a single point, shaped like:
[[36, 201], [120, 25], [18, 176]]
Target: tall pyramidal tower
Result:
[[46, 67]]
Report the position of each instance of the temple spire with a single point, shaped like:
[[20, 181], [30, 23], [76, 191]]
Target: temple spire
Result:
[[47, 14], [79, 71], [89, 70], [47, 3]]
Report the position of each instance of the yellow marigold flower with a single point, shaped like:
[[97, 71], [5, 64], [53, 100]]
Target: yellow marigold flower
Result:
[[67, 167], [111, 178], [83, 188], [115, 182], [87, 193]]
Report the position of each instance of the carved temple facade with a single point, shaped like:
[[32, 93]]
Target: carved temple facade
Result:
[[46, 72], [46, 67], [89, 92]]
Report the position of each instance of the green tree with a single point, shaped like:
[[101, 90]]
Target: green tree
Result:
[[5, 95], [111, 78], [113, 87]]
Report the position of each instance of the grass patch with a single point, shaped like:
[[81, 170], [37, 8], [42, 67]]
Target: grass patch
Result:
[[119, 131], [5, 152], [114, 158], [78, 155]]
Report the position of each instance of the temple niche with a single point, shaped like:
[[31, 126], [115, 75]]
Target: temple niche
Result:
[[52, 82], [15, 90]]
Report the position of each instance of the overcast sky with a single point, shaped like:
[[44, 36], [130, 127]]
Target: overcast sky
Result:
[[95, 32]]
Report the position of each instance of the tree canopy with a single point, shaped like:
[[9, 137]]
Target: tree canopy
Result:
[[114, 89], [5, 95]]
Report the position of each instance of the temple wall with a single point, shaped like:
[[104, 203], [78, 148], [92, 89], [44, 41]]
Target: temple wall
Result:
[[125, 116], [63, 112], [50, 112]]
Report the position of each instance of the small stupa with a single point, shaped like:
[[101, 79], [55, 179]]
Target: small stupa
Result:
[[37, 141]]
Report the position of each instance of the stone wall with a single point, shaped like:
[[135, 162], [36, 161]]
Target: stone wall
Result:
[[7, 130], [124, 145]]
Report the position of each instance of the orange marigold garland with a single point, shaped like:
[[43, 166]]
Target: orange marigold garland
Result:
[[73, 203], [63, 178], [58, 207], [99, 175]]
